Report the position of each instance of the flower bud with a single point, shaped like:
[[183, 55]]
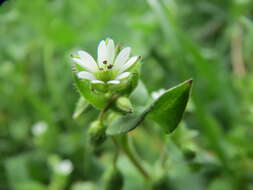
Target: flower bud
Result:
[[161, 183], [113, 179], [189, 154], [96, 133], [124, 105]]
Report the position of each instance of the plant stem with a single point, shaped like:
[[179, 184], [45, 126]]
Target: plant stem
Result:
[[105, 109], [125, 147], [115, 158], [134, 160]]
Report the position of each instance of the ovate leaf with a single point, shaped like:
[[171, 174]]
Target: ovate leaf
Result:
[[124, 124], [168, 109]]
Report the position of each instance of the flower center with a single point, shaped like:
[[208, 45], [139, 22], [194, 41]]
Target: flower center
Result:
[[106, 72]]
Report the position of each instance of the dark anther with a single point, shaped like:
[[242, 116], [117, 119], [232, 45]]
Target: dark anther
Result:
[[101, 69], [105, 62], [109, 66]]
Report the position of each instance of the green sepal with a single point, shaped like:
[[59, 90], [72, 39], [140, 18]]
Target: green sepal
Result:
[[97, 99], [99, 87], [132, 82], [81, 106]]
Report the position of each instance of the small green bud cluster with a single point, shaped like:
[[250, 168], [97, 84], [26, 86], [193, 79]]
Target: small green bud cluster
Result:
[[96, 133]]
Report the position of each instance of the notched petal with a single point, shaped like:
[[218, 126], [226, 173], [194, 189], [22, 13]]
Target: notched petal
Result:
[[88, 60], [102, 53], [123, 75], [122, 57], [129, 63], [85, 75]]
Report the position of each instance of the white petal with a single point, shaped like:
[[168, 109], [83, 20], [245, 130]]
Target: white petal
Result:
[[110, 51], [122, 57], [86, 75], [102, 52], [88, 60], [79, 62], [97, 82], [129, 63], [123, 75], [113, 82]]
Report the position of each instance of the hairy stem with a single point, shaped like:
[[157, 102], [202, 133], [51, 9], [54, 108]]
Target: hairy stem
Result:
[[125, 146], [129, 153]]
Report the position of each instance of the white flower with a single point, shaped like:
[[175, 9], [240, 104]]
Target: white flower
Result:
[[156, 94], [109, 67], [64, 167], [39, 128]]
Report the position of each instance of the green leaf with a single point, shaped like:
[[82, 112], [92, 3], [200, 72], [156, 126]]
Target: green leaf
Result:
[[168, 109], [81, 106], [96, 99], [124, 124]]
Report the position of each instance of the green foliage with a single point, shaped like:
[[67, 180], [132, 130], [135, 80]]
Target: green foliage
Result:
[[113, 179], [207, 40], [124, 124], [168, 109]]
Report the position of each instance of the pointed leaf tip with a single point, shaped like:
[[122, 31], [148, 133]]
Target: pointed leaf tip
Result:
[[168, 109]]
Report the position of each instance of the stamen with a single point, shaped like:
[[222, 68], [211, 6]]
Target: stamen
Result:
[[109, 66], [105, 62], [101, 69]]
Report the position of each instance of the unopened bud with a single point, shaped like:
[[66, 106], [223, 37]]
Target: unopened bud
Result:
[[113, 179], [124, 105], [163, 182], [189, 154], [96, 133]]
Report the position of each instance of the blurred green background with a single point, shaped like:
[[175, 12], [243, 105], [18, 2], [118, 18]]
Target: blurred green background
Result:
[[210, 41]]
